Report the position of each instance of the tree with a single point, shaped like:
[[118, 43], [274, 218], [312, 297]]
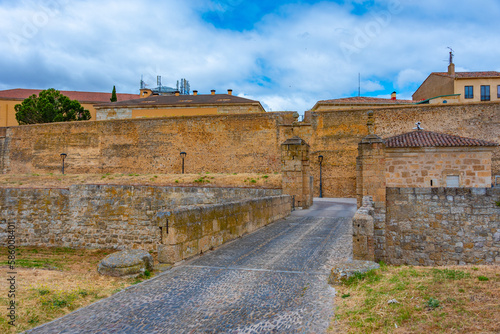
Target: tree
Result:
[[50, 106], [113, 95]]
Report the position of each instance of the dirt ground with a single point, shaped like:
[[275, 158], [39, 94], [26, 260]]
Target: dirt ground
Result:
[[57, 180]]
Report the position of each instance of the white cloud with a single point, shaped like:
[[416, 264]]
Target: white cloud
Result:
[[409, 77], [290, 60]]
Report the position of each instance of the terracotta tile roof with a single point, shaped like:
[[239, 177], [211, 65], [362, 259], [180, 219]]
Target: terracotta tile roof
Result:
[[466, 75], [422, 138], [169, 100], [82, 97], [365, 99]]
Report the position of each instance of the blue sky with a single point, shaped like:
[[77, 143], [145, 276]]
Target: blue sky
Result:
[[286, 54]]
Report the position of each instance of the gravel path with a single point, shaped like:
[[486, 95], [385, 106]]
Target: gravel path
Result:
[[271, 281]]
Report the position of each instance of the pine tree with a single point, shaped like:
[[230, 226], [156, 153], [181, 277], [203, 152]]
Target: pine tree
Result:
[[50, 106], [113, 95]]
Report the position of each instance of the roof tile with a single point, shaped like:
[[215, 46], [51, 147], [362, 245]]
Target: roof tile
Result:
[[82, 97], [421, 138], [216, 99], [465, 75], [365, 99]]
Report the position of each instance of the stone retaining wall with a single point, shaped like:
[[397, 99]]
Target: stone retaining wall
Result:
[[190, 231], [442, 226], [102, 216]]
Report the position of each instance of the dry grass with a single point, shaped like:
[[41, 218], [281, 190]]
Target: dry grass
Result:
[[452, 299], [207, 179], [52, 282]]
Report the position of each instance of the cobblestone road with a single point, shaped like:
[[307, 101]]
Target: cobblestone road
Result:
[[271, 281]]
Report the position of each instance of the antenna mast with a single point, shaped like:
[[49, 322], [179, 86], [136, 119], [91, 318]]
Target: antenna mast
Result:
[[359, 84], [451, 55]]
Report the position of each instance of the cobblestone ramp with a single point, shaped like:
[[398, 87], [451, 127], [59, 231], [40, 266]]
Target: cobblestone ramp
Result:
[[271, 281]]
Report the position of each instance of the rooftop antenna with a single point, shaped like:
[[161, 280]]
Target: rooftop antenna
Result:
[[451, 55], [359, 84], [158, 80], [143, 85]]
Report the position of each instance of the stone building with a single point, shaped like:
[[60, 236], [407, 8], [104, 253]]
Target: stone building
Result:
[[357, 102], [9, 98], [459, 87], [428, 159], [425, 198], [179, 105]]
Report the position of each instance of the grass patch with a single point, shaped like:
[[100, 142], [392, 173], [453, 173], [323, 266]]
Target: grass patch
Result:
[[55, 281], [410, 299], [216, 179]]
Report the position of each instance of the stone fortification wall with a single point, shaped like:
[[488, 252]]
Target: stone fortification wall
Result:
[[194, 230], [103, 216], [216, 143], [336, 134], [236, 143], [442, 226], [4, 153]]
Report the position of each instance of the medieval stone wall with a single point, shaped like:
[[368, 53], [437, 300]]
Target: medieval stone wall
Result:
[[219, 143], [105, 216], [336, 134], [194, 230], [442, 226], [237, 143]]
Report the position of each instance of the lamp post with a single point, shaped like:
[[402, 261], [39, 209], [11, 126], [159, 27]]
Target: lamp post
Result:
[[63, 156], [183, 155], [320, 160]]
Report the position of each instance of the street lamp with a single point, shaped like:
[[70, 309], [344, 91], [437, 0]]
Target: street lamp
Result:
[[183, 155], [63, 156], [320, 160]]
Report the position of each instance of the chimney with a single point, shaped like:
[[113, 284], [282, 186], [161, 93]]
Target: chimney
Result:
[[230, 92], [393, 95], [177, 93], [451, 69], [213, 91], [195, 92]]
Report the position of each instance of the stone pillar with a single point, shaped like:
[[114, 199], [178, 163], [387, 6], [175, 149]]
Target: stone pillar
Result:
[[362, 232], [370, 181], [295, 167]]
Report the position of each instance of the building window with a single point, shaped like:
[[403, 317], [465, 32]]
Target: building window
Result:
[[498, 91], [485, 93], [469, 92], [452, 181]]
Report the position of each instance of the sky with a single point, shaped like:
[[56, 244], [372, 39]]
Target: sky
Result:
[[286, 54]]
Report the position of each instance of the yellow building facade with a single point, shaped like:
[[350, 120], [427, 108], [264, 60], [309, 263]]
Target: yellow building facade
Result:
[[459, 87], [9, 99], [178, 105]]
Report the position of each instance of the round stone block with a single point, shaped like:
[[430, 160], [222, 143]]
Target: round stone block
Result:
[[344, 270], [126, 263]]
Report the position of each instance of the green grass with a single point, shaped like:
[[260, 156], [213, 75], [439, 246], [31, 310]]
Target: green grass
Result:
[[37, 263], [448, 274], [429, 300]]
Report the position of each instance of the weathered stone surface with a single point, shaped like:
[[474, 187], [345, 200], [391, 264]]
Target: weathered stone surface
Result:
[[106, 216], [344, 270], [126, 263], [450, 226], [363, 231], [191, 230], [295, 168], [238, 143]]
